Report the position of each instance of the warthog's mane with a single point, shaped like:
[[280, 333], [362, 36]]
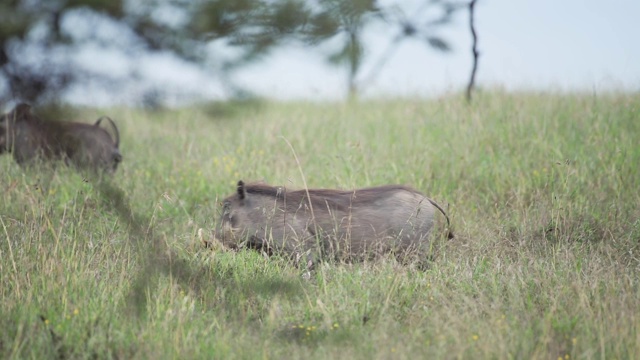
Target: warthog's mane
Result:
[[342, 199], [40, 127], [48, 127], [264, 189]]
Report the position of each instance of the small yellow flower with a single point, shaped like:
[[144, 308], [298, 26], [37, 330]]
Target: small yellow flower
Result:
[[46, 321], [574, 341], [76, 312], [566, 357], [393, 349], [335, 325], [475, 337]]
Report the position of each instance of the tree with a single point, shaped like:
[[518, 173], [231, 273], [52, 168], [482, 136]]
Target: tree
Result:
[[39, 37], [346, 19], [350, 19]]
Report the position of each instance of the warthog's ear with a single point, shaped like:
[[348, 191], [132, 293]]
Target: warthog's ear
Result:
[[241, 190]]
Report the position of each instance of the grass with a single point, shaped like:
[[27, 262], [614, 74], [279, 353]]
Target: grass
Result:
[[542, 190]]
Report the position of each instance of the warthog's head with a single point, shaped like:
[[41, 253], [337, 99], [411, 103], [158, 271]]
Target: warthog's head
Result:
[[98, 149], [243, 215]]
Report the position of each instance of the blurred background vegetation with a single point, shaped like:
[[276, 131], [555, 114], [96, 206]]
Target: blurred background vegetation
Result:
[[39, 39]]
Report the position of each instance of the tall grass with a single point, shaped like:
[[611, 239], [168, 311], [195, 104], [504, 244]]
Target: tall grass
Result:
[[542, 190]]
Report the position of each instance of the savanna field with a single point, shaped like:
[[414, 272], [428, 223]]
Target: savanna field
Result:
[[542, 190]]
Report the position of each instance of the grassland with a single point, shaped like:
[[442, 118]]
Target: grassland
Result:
[[542, 191]]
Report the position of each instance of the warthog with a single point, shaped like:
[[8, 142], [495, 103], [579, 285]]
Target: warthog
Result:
[[83, 145], [329, 223]]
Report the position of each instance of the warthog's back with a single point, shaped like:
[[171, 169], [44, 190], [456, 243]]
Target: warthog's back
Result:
[[380, 219]]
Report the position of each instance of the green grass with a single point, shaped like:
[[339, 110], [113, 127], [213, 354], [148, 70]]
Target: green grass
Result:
[[543, 192]]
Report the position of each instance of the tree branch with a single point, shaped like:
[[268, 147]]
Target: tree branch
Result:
[[474, 50]]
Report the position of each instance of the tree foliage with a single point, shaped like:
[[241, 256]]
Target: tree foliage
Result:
[[38, 37]]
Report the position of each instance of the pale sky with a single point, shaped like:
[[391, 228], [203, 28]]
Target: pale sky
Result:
[[558, 45]]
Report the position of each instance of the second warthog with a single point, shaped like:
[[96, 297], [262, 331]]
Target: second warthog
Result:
[[313, 223], [87, 146]]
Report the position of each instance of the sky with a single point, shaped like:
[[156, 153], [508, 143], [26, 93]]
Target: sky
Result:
[[567, 45]]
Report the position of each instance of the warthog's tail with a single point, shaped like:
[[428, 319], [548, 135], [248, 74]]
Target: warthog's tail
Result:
[[113, 125], [450, 232]]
